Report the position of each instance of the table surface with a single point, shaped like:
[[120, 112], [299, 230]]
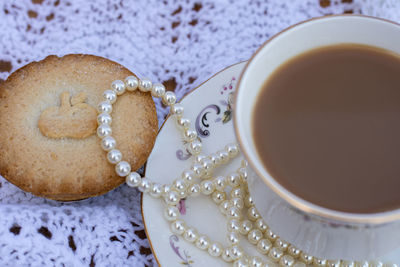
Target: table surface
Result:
[[181, 44]]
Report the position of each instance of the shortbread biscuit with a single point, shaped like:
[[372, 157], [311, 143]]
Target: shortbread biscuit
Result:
[[48, 121]]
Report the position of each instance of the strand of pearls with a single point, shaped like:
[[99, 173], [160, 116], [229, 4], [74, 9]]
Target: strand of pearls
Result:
[[229, 192]]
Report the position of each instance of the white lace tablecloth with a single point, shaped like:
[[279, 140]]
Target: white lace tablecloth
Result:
[[181, 43]]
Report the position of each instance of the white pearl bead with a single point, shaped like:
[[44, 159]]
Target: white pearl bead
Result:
[[241, 263], [223, 156], [275, 254], [182, 123], [243, 173], [254, 236], [189, 135], [224, 207], [198, 169], [319, 262], [156, 190], [237, 202], [169, 98], [281, 244], [234, 179], [118, 86], [226, 255], [207, 187], [293, 251], [218, 196], [271, 235], [253, 214], [237, 192], [104, 118], [220, 183], [255, 262], [158, 90], [194, 190], [233, 238], [236, 252], [172, 198], [299, 264], [248, 201], [190, 235], [145, 186], [347, 264], [215, 159], [114, 156], [177, 109], [194, 147], [232, 149], [108, 143], [110, 96], [286, 261], [199, 158], [245, 227], [104, 130], [132, 83], [234, 225], [307, 259], [183, 194], [104, 107], [208, 165], [203, 242], [123, 168], [215, 249], [263, 246], [178, 227], [261, 225], [133, 179], [166, 189], [180, 185], [188, 175], [332, 263], [145, 85]]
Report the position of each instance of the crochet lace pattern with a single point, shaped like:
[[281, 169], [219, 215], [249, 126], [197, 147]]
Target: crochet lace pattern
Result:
[[179, 43]]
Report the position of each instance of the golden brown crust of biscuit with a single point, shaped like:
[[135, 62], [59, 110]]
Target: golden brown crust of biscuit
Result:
[[66, 168]]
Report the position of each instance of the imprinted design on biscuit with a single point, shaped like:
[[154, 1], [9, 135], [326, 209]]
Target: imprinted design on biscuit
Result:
[[74, 118]]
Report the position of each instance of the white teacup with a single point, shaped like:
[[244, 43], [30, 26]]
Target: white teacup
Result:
[[314, 229]]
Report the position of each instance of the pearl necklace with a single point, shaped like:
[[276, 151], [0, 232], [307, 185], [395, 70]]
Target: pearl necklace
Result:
[[229, 192]]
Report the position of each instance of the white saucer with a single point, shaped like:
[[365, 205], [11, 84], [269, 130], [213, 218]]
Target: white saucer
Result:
[[209, 109]]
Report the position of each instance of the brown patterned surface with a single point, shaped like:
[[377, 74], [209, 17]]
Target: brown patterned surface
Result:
[[171, 84]]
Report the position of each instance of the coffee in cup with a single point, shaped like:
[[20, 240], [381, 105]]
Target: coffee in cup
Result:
[[326, 125]]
